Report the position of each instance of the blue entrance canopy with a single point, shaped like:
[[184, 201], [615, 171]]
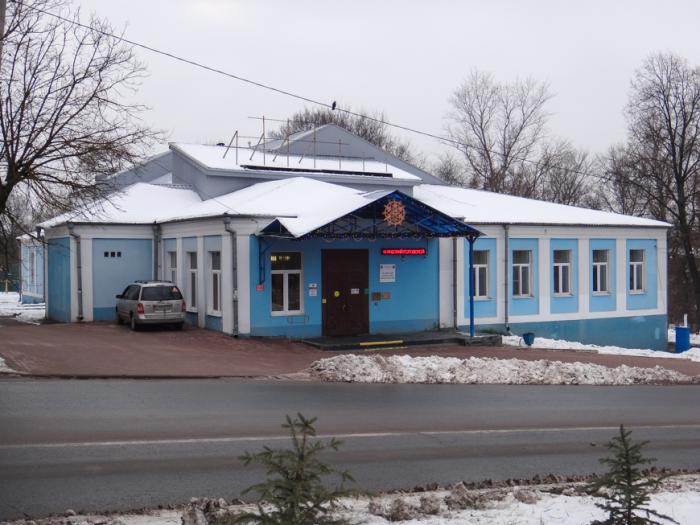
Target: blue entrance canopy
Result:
[[415, 220]]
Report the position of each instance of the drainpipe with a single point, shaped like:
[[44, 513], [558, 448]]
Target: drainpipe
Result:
[[79, 259], [454, 282], [505, 286], [234, 271], [156, 249]]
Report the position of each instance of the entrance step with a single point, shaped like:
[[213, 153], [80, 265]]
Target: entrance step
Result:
[[374, 342]]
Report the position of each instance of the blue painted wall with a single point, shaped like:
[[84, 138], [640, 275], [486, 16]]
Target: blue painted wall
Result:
[[32, 285], [564, 304], [640, 301], [603, 302], [413, 305], [110, 275], [59, 282], [648, 331], [482, 307], [524, 305]]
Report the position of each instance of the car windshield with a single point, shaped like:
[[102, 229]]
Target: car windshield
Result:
[[160, 293]]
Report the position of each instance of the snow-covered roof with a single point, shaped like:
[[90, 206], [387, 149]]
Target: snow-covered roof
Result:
[[139, 203], [299, 203], [303, 204], [483, 207], [252, 160]]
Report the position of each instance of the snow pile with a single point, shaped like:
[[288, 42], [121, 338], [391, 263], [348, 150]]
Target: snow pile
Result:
[[563, 504], [560, 344], [5, 369], [511, 507], [694, 338], [433, 369], [10, 306]]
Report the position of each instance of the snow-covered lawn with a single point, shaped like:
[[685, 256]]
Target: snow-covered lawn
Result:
[[559, 344], [475, 370], [10, 306], [525, 505]]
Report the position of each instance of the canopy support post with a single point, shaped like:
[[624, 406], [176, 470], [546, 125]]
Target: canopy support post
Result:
[[471, 240]]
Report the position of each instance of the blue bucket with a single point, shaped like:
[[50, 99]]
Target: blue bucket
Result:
[[529, 338], [682, 339]]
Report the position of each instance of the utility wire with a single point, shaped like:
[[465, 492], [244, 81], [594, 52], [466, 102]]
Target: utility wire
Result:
[[285, 92]]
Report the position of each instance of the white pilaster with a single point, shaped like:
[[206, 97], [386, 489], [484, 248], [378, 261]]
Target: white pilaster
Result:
[[202, 270], [621, 274], [445, 282], [584, 275], [86, 254], [244, 279], [226, 284], [543, 275]]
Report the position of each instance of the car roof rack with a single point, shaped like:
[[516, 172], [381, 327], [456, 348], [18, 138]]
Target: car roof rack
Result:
[[141, 281]]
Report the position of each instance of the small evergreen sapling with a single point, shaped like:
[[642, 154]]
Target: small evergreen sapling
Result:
[[294, 492], [625, 488]]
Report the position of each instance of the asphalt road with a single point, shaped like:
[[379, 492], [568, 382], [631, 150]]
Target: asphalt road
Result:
[[117, 445]]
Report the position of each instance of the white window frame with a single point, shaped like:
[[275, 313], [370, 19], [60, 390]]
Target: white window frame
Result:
[[285, 287], [597, 268], [191, 278], [172, 270], [634, 287], [478, 268], [214, 275], [558, 271], [519, 267]]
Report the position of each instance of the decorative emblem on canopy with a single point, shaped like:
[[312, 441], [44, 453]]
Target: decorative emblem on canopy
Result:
[[394, 213]]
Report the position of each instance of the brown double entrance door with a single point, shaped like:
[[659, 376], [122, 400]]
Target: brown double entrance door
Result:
[[345, 290]]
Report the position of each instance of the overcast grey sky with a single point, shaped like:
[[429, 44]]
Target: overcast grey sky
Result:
[[403, 57]]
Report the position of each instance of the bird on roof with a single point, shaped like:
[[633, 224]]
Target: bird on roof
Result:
[[333, 105]]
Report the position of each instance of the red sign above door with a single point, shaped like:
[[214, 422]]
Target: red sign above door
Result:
[[404, 251]]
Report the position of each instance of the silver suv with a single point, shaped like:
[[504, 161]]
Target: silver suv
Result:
[[151, 302]]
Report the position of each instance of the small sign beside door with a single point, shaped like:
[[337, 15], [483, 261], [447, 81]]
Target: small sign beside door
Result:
[[354, 291], [387, 273], [313, 289]]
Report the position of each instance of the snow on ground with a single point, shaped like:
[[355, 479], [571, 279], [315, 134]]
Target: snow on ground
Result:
[[525, 505], [559, 344], [10, 306], [475, 370], [5, 369]]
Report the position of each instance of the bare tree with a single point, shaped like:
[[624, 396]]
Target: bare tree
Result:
[[449, 169], [499, 127], [662, 163], [64, 113], [373, 129], [566, 175]]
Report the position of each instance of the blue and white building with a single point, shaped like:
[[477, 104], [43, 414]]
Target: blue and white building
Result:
[[325, 234]]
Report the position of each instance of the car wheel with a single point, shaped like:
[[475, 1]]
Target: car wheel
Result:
[[132, 323], [178, 326], [119, 318]]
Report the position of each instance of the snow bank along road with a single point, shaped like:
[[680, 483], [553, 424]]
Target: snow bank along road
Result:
[[91, 445]]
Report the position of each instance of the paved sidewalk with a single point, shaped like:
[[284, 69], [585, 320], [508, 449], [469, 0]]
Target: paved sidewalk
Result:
[[108, 350]]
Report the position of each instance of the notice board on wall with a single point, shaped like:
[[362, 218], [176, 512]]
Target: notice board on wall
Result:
[[387, 273]]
